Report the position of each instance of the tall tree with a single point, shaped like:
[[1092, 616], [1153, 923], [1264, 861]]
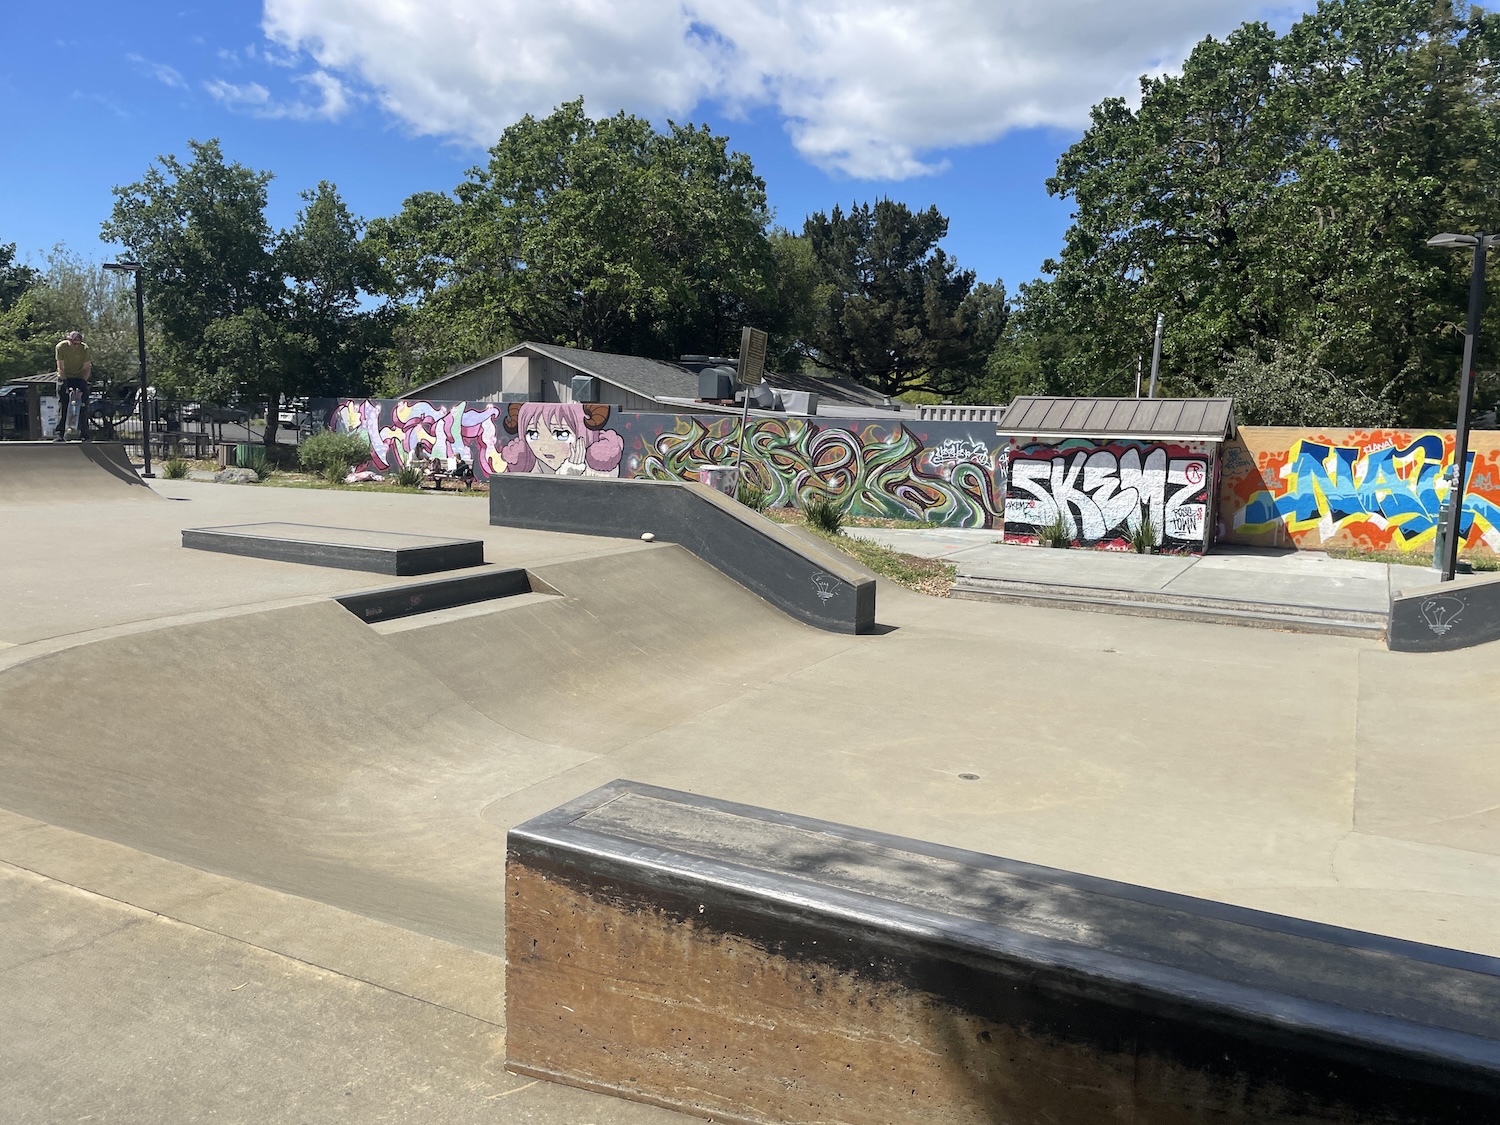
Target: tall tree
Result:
[[593, 233], [245, 311], [892, 309], [21, 343], [199, 231], [1273, 200], [332, 333]]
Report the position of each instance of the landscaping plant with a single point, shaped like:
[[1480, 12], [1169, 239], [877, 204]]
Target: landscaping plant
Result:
[[753, 496], [823, 515], [175, 468], [1143, 535], [333, 454]]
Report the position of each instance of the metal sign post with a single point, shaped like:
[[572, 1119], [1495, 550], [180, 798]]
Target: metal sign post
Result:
[[751, 370]]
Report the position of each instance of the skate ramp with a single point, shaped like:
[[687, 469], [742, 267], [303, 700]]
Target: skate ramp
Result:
[[300, 749], [39, 472], [638, 642]]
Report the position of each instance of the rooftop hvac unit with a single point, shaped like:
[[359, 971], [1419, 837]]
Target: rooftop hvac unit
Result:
[[715, 383], [585, 388]]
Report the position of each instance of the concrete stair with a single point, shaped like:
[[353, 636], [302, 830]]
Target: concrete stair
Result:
[[1180, 607]]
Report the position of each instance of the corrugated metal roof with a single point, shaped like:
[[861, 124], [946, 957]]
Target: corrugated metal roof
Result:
[[1209, 419]]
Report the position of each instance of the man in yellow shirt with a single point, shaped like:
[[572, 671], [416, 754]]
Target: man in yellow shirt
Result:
[[74, 365]]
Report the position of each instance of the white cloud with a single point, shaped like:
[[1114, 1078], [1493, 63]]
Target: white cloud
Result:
[[166, 75], [867, 87], [331, 99]]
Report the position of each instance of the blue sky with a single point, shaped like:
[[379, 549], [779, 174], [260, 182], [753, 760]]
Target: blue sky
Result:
[[960, 103]]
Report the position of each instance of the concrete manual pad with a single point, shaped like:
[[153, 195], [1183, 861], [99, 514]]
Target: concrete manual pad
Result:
[[1109, 570], [1250, 583], [348, 548]]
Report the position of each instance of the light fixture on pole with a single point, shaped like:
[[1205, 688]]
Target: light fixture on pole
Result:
[[1480, 244], [140, 343]]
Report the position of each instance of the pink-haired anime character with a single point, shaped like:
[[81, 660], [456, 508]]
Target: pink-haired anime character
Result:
[[562, 438]]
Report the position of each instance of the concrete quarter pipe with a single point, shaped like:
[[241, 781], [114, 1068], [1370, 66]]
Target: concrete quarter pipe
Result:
[[44, 472]]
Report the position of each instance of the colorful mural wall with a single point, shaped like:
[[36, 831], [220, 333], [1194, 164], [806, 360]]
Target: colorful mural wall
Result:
[[1371, 489], [1104, 491], [940, 472]]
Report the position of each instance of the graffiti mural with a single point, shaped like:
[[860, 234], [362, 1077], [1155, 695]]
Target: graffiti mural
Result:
[[565, 439], [1103, 493], [883, 469], [406, 431], [940, 472], [1375, 489]]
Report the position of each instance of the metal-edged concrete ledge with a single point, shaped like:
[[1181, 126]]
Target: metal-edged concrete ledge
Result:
[[1445, 616], [381, 552], [755, 966], [388, 602], [813, 586]]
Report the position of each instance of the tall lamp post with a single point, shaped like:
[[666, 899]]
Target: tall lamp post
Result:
[[140, 343], [1480, 244]]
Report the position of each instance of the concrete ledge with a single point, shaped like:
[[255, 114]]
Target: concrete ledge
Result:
[[1445, 616], [755, 966], [381, 552], [442, 593], [759, 554]]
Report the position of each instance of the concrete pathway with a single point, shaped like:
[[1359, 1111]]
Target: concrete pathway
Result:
[[1301, 578]]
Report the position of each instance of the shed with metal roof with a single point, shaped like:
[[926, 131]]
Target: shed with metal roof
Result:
[[1046, 418]]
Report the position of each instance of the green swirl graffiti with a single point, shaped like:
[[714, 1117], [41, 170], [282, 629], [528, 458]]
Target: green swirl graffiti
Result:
[[877, 470]]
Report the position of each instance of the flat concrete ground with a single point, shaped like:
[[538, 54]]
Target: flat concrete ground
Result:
[[252, 861]]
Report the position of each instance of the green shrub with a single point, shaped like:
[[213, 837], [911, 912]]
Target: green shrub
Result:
[[333, 454], [1143, 535], [261, 465], [409, 476], [175, 468], [753, 496], [823, 515], [1056, 534]]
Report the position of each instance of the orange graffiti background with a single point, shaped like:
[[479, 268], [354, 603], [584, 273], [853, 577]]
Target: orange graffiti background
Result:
[[1255, 466]]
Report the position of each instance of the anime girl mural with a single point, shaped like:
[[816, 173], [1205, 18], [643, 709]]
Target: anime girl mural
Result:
[[566, 439]]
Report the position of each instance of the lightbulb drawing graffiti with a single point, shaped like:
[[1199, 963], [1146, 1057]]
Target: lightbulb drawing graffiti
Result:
[[1441, 612], [823, 586]]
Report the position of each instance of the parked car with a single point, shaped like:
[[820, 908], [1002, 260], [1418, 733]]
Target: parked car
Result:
[[292, 412]]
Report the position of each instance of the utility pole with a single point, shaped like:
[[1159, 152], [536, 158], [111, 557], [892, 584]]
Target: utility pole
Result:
[[1161, 320]]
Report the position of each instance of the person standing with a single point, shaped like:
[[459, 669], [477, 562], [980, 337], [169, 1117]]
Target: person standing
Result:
[[74, 365]]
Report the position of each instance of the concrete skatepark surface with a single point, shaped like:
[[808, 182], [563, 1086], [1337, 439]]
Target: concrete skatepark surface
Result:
[[251, 848]]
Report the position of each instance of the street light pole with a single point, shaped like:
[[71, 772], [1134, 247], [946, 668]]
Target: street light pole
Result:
[[1481, 244], [140, 343]]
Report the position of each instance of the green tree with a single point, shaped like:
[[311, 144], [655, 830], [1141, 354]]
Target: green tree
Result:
[[243, 310], [892, 309], [22, 342], [1273, 200], [200, 232], [599, 234], [330, 334]]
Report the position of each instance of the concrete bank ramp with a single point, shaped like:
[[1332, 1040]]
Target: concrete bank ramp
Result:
[[301, 749], [812, 585], [44, 472]]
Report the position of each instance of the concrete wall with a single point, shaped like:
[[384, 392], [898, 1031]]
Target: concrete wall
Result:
[[942, 472], [1371, 489], [1104, 490]]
